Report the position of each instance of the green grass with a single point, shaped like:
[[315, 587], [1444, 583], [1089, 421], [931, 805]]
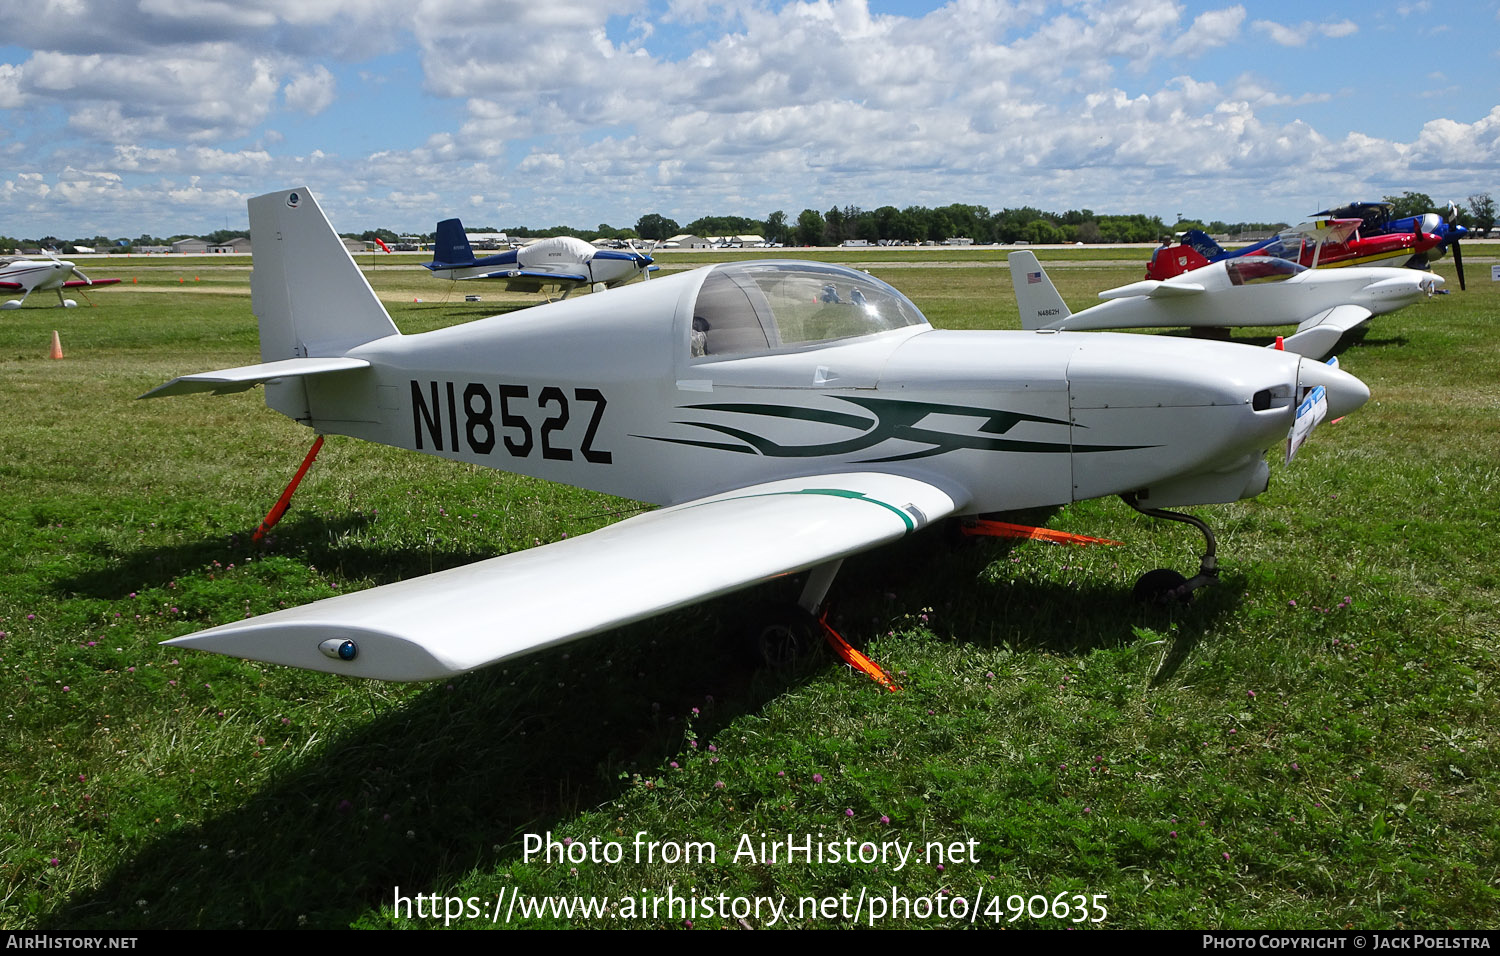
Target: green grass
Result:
[[1309, 744]]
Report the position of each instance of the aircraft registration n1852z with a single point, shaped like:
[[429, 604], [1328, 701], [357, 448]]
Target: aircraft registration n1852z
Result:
[[785, 415]]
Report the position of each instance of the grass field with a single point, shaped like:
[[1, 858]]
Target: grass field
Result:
[[1310, 744]]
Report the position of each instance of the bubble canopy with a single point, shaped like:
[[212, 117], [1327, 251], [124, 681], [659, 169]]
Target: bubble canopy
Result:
[[1261, 269], [766, 306]]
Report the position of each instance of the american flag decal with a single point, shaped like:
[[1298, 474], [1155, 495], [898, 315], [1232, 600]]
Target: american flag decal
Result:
[[1033, 277]]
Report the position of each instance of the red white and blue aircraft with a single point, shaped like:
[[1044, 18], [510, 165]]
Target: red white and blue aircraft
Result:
[[1375, 220], [560, 262], [28, 274], [1318, 244]]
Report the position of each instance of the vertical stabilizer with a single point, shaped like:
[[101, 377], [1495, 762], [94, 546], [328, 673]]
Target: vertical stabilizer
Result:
[[450, 248], [1041, 305], [308, 295]]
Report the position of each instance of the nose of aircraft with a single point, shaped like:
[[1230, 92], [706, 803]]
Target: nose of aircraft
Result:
[[1345, 392], [1407, 281]]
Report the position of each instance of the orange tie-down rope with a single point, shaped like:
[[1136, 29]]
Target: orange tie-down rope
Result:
[[853, 657], [279, 508], [1004, 529]]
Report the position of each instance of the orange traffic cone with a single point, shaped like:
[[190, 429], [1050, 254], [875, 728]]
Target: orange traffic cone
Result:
[[56, 345]]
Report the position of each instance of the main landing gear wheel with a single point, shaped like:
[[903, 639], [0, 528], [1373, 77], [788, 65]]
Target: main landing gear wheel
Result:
[[1160, 587], [784, 636], [1165, 586]]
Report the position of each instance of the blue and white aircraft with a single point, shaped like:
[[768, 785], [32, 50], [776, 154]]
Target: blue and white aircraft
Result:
[[560, 262]]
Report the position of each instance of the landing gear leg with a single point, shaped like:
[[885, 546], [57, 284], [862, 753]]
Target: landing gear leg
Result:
[[819, 580], [788, 634], [1165, 586]]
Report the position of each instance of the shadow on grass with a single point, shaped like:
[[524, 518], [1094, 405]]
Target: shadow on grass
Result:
[[449, 780], [307, 535], [942, 574], [419, 793]]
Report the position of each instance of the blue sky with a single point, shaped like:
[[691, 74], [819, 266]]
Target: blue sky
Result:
[[163, 116]]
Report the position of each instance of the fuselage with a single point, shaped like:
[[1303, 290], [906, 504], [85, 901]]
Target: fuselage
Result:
[[33, 274], [619, 395], [559, 261], [1390, 250], [1283, 295]]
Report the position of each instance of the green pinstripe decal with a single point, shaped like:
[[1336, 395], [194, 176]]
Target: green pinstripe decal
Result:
[[832, 493]]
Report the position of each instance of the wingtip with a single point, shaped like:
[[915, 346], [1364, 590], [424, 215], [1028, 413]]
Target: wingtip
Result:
[[332, 649]]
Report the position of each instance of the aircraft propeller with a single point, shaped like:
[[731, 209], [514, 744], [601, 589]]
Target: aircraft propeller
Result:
[[1458, 256], [646, 254]]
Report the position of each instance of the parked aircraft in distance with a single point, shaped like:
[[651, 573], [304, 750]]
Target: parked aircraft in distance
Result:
[[1247, 291], [1375, 220], [1321, 244], [29, 273], [561, 262]]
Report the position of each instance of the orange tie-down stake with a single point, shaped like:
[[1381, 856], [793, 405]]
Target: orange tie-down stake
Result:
[[279, 509], [981, 527], [853, 657]]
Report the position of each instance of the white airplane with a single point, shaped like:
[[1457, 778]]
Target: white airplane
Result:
[[780, 428], [560, 262], [29, 274], [1250, 291]]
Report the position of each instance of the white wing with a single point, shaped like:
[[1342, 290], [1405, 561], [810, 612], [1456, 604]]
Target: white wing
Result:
[[1154, 288], [1317, 336], [454, 621]]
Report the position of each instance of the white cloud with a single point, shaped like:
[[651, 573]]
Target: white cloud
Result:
[[1212, 29], [193, 160], [11, 96], [211, 13], [311, 92], [706, 106], [1302, 33], [208, 93]]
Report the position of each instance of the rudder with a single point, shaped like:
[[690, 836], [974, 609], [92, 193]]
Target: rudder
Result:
[[450, 247], [308, 295]]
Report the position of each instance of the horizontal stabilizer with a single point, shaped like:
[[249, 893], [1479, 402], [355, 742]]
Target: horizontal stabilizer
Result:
[[1317, 336], [1154, 288], [455, 621], [246, 377]]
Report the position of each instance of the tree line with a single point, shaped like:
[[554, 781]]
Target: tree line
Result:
[[914, 224]]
